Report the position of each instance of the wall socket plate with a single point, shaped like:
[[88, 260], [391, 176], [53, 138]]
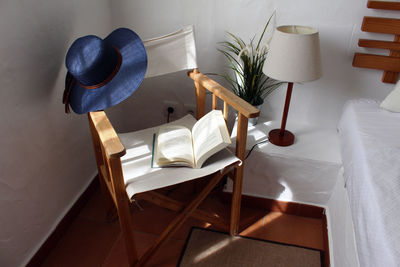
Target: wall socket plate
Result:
[[175, 105]]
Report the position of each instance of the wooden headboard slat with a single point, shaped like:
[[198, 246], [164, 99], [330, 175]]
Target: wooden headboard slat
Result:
[[376, 62], [379, 44], [381, 25], [386, 5], [390, 64]]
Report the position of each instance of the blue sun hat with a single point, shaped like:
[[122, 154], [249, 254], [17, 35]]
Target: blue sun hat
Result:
[[103, 72]]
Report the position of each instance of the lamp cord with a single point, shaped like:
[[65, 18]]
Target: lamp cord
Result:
[[168, 117], [261, 142], [170, 110]]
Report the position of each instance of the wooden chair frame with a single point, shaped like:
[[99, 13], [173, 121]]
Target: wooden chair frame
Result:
[[109, 150]]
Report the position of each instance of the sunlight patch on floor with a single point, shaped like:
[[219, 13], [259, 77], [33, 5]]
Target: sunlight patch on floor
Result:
[[212, 250]]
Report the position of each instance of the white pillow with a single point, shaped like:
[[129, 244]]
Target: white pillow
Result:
[[392, 101]]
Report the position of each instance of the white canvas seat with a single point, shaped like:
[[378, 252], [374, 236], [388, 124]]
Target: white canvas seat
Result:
[[124, 160], [140, 177]]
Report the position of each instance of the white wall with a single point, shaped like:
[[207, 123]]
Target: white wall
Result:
[[46, 158], [319, 102]]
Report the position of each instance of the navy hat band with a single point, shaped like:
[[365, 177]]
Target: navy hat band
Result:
[[112, 74]]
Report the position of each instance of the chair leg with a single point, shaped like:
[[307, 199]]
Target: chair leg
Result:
[[180, 219], [125, 221], [123, 207], [111, 212], [238, 174], [107, 200], [236, 200]]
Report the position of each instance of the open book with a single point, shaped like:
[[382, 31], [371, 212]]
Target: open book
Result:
[[179, 146]]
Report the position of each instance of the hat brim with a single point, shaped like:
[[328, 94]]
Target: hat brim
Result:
[[129, 77]]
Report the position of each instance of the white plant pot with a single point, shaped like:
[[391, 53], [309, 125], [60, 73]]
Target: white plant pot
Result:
[[253, 121]]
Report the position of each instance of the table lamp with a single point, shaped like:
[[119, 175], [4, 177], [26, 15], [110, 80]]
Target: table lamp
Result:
[[293, 56]]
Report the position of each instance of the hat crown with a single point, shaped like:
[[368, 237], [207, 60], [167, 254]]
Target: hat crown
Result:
[[91, 60]]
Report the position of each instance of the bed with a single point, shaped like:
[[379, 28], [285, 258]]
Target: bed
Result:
[[370, 148]]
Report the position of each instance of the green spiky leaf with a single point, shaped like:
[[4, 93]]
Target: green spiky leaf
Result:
[[248, 81]]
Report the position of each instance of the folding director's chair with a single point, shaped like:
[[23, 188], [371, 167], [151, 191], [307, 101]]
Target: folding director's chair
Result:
[[124, 160]]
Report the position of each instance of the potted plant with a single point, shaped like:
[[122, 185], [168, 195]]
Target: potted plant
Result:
[[247, 61]]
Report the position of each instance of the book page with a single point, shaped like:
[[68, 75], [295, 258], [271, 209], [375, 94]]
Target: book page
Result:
[[174, 145], [209, 136]]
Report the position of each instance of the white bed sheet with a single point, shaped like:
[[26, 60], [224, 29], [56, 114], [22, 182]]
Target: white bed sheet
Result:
[[370, 148]]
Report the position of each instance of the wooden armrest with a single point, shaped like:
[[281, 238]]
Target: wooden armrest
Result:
[[226, 95], [111, 142]]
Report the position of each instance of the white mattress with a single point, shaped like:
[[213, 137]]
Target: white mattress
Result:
[[370, 148]]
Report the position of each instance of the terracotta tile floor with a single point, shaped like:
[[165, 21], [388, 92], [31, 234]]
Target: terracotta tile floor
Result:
[[90, 241]]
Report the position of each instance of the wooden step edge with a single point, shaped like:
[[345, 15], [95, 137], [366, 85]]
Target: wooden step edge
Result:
[[379, 62], [381, 25], [386, 5], [379, 44]]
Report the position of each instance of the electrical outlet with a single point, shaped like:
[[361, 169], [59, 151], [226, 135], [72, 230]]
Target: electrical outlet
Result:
[[172, 104], [189, 109]]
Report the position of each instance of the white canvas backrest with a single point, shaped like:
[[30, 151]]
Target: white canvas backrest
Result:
[[171, 53]]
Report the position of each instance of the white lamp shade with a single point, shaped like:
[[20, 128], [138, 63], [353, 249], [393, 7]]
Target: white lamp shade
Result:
[[294, 54]]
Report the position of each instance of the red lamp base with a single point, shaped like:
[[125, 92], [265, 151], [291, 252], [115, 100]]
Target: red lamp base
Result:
[[285, 139]]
